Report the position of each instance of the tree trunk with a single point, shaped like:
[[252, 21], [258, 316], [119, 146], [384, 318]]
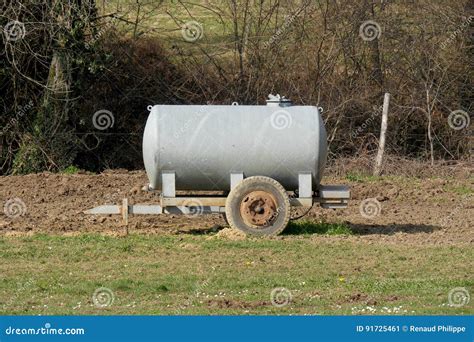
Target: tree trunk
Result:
[[51, 145]]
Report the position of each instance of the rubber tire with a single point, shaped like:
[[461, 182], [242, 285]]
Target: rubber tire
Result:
[[256, 183]]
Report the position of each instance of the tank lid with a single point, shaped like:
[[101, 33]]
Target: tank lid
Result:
[[277, 100]]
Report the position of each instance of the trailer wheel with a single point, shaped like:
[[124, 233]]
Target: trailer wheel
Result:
[[258, 206]]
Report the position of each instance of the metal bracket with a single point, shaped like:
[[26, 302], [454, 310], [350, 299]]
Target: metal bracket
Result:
[[305, 188], [235, 178], [168, 183], [333, 196]]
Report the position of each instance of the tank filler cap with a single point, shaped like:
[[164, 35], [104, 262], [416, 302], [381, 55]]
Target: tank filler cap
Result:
[[277, 100]]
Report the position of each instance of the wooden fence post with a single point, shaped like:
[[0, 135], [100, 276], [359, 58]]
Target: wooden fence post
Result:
[[383, 131]]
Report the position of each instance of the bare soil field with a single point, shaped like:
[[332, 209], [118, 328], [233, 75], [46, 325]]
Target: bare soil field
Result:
[[433, 211]]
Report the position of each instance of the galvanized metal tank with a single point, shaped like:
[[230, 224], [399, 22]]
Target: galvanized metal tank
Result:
[[204, 144]]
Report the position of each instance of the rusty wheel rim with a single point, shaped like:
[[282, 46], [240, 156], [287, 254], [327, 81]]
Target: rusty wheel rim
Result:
[[258, 209]]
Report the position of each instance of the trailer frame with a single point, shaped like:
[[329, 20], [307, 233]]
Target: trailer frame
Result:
[[328, 196]]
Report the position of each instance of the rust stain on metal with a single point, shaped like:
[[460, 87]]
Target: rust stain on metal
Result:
[[258, 209]]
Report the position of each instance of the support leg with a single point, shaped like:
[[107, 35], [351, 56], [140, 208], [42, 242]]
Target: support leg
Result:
[[168, 183], [235, 178], [305, 186]]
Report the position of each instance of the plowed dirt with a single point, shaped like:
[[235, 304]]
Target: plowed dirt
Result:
[[413, 211]]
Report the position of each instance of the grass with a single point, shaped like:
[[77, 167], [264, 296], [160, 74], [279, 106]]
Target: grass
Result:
[[360, 178], [305, 227], [166, 21], [186, 274], [460, 190], [71, 170]]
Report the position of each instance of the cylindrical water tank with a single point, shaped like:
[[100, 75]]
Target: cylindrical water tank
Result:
[[203, 145]]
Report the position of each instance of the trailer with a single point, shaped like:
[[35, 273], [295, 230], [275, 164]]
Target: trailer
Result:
[[257, 161]]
